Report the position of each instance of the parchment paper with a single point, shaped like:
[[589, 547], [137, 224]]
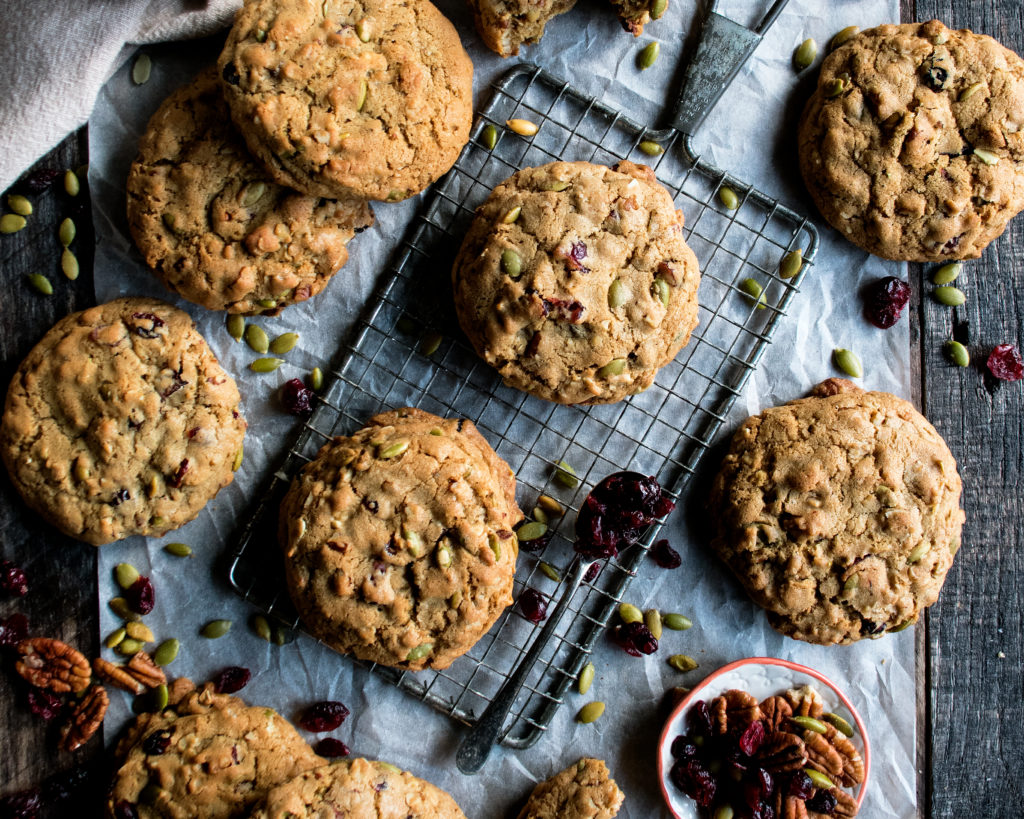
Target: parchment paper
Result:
[[752, 135]]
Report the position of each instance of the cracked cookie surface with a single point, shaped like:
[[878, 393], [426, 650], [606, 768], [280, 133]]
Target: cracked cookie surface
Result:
[[398, 540], [574, 281], [920, 155], [121, 422], [358, 789], [584, 790], [839, 513], [349, 98], [505, 25], [211, 224]]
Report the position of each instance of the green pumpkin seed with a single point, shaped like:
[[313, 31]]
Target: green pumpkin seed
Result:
[[617, 366], [586, 678], [676, 622], [648, 55], [418, 653], [903, 626], [566, 475], [364, 30], [949, 295], [495, 544], [523, 127], [658, 8], [957, 353], [618, 294], [413, 541], [178, 549], [727, 196], [751, 288], [455, 600], [539, 515], [261, 35], [842, 36], [66, 232], [19, 204], [316, 379], [630, 613], [852, 582], [987, 157], [257, 339], [840, 724], [835, 87], [115, 637], [140, 632], [392, 450], [791, 263], [511, 264], [151, 794], [215, 629], [918, 552], [550, 505], [513, 214], [120, 607], [129, 646], [724, 812], [444, 556], [266, 365], [431, 343], [683, 663], [253, 193], [847, 361], [550, 572], [125, 574], [490, 137], [40, 283], [810, 724], [11, 223], [948, 273], [69, 264], [805, 54], [71, 184], [661, 290], [261, 627], [651, 148], [237, 463], [652, 619], [556, 185], [819, 779], [284, 343], [533, 530], [437, 433], [283, 635], [266, 304], [236, 326], [364, 89], [591, 712], [141, 69], [161, 696], [970, 91]]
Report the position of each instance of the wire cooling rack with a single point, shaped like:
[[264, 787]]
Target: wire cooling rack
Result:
[[407, 350]]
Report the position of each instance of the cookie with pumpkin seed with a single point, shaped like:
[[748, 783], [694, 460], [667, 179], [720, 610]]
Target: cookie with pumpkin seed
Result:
[[505, 25], [211, 224], [574, 281], [398, 540], [584, 790]]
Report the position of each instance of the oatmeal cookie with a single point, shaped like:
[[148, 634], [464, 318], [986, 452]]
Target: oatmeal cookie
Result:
[[635, 14], [584, 790], [505, 25]]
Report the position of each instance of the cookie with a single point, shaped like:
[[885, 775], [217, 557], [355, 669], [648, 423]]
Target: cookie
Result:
[[635, 14], [214, 228], [839, 513], [505, 25], [212, 756], [584, 790], [349, 98], [398, 540], [574, 281], [912, 146], [121, 422], [358, 789]]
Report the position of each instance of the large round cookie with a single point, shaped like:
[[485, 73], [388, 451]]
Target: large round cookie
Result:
[[912, 144], [349, 98], [210, 757], [121, 422], [358, 789], [840, 513], [584, 790], [399, 543], [212, 225], [574, 281]]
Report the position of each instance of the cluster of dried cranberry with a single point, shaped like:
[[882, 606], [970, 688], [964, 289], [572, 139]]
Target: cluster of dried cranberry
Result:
[[617, 511], [324, 716]]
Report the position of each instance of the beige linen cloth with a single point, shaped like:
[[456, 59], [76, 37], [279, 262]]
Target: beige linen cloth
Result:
[[57, 54]]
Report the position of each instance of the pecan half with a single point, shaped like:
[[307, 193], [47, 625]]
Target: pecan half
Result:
[[178, 690], [846, 805], [853, 765], [782, 752], [142, 668], [49, 663], [775, 711], [822, 756], [805, 701], [117, 676], [86, 718], [789, 807], [732, 712]]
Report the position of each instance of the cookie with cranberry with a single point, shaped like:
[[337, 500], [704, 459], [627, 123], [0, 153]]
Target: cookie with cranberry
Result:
[[584, 790], [840, 513], [121, 422], [574, 281], [505, 25], [912, 146]]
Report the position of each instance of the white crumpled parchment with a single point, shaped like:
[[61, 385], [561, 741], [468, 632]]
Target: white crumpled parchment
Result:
[[751, 134]]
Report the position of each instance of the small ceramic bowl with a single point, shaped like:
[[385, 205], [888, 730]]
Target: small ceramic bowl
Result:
[[762, 677]]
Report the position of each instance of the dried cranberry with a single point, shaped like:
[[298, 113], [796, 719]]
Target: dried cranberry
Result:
[[120, 496], [38, 181], [533, 605], [751, 738], [125, 810], [592, 572], [63, 786], [154, 322], [665, 556], [1005, 363], [800, 786], [700, 718], [323, 716], [297, 398], [564, 310], [537, 543], [12, 579], [885, 300], [230, 74], [765, 781], [176, 385], [634, 638], [22, 805], [683, 747], [44, 704], [616, 512], [330, 747], [231, 679], [762, 811], [157, 742], [822, 802], [13, 630], [695, 780], [178, 478], [140, 596]]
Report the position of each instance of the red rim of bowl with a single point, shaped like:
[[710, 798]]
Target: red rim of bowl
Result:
[[802, 669]]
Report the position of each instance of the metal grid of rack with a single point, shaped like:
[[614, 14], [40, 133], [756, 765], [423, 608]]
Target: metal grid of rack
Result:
[[406, 350]]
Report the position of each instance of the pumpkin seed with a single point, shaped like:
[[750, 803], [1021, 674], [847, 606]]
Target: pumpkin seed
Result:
[[140, 631], [363, 30], [115, 637], [511, 264], [178, 549], [418, 653], [257, 339], [810, 724], [987, 157], [71, 184], [69, 264], [847, 361], [120, 607], [970, 91], [490, 137], [661, 290], [364, 89], [840, 724], [550, 505], [727, 196], [444, 556], [652, 619], [949, 295], [618, 294], [903, 626], [676, 622], [791, 263], [683, 662], [40, 283], [316, 379], [235, 324], [253, 193], [630, 613], [957, 353], [591, 712], [431, 343], [129, 646], [658, 8], [125, 574], [237, 463], [413, 541], [392, 450], [566, 475], [266, 304], [539, 515], [215, 629], [550, 572], [948, 273], [724, 812], [805, 54], [819, 779], [842, 36], [11, 223], [283, 635], [523, 127], [456, 599], [533, 530], [586, 678], [513, 214], [284, 343], [66, 232], [651, 148], [556, 185], [19, 204], [266, 365], [648, 55], [261, 627], [835, 87], [852, 582], [617, 366], [495, 544], [437, 433], [754, 290], [918, 552], [141, 69], [160, 695], [261, 35]]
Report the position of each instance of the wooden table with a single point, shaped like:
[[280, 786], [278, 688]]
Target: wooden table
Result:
[[971, 693]]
